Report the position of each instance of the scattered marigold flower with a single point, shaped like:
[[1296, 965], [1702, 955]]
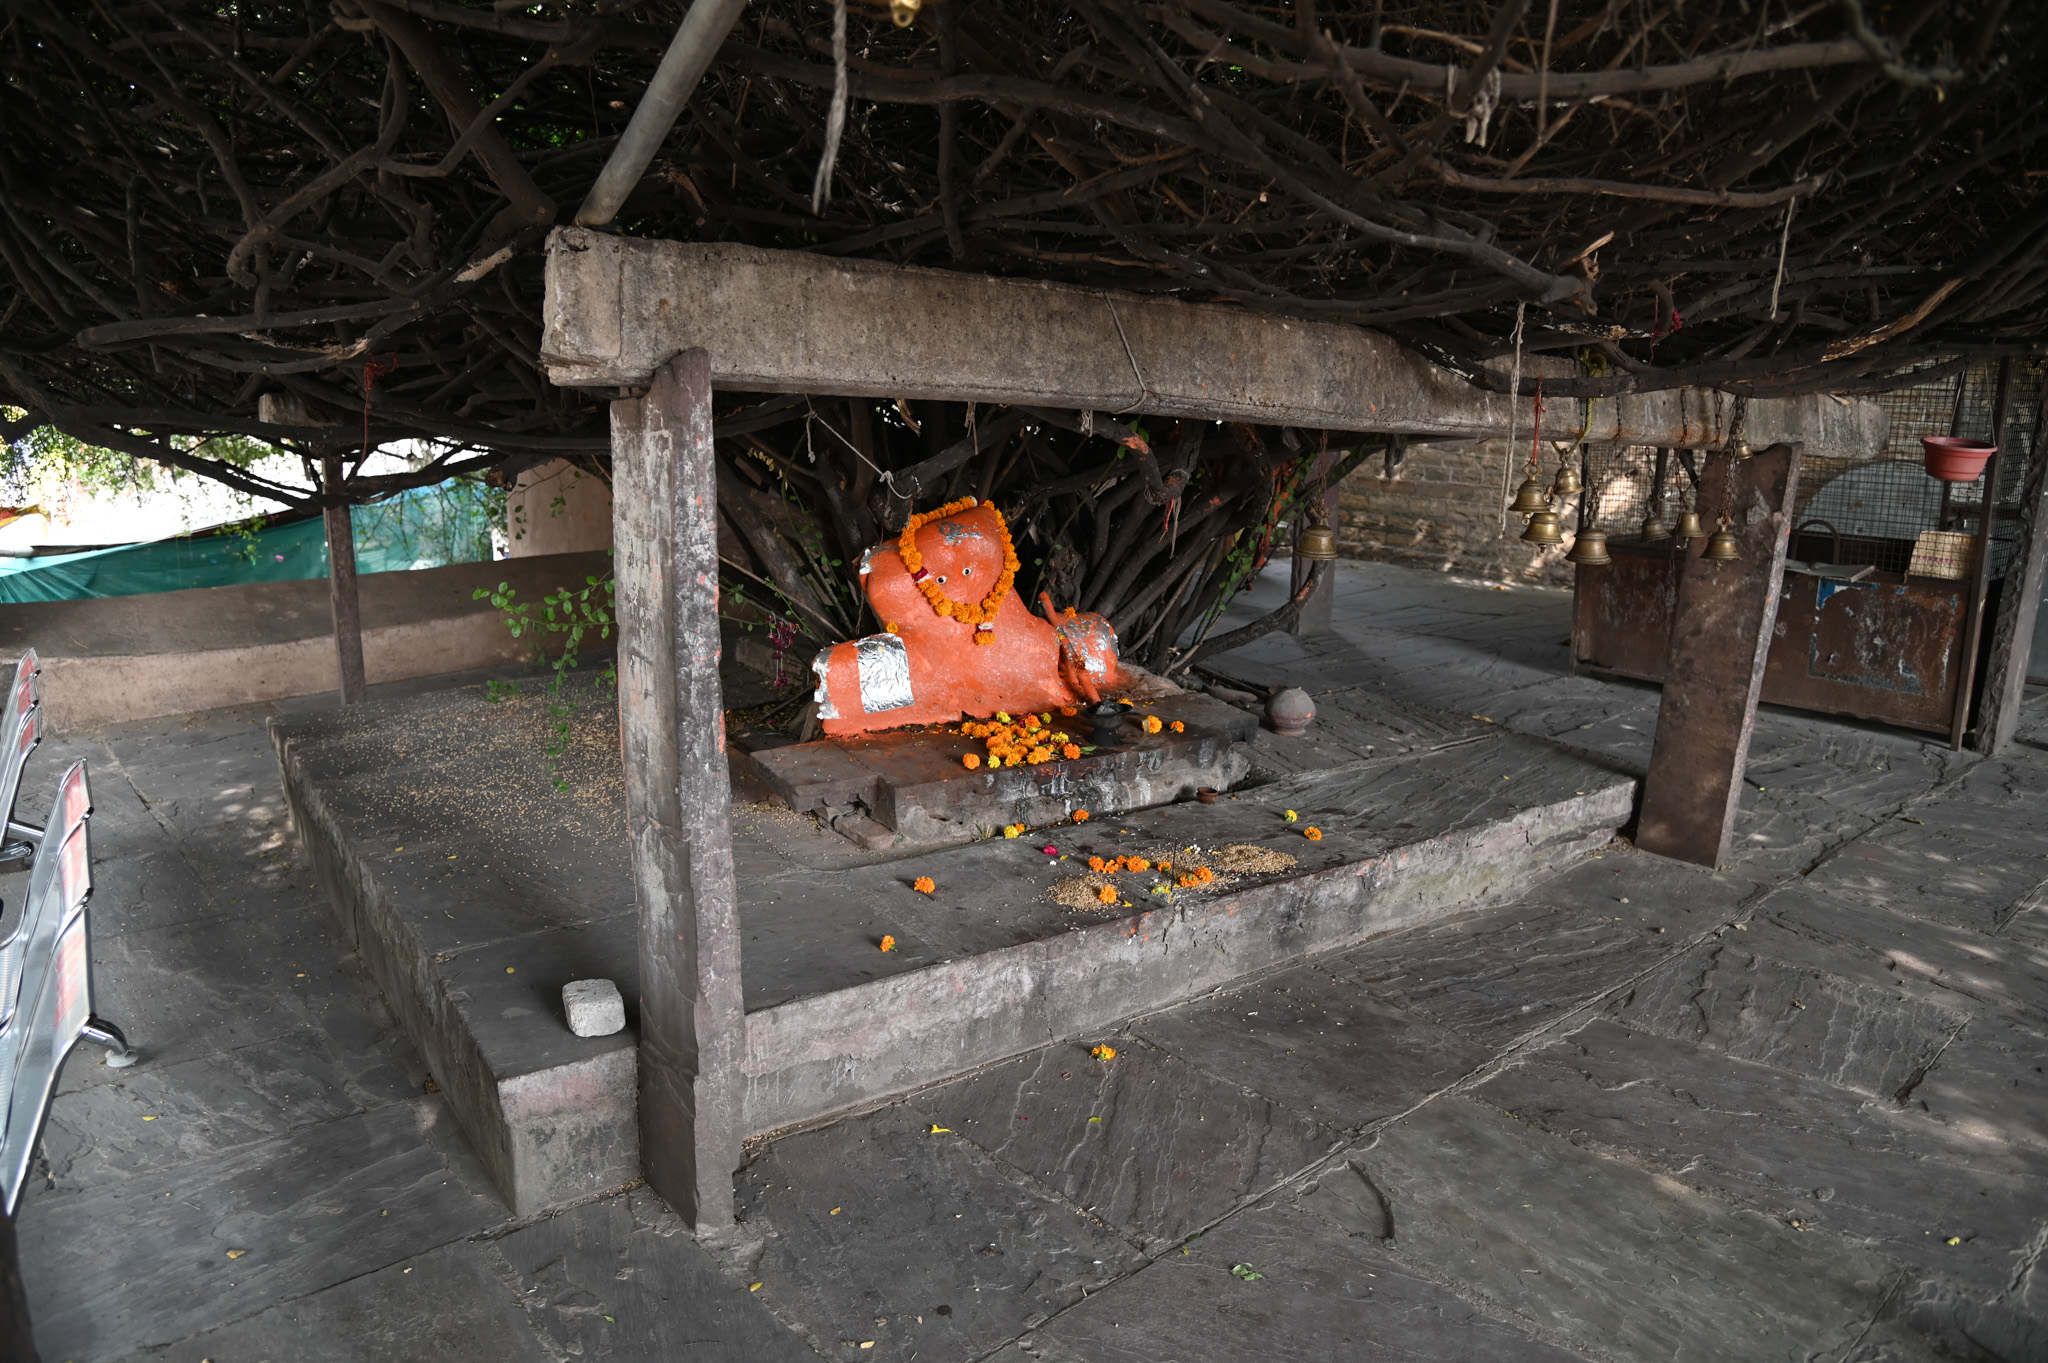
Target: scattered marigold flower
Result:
[[1205, 874], [1179, 727], [1011, 830], [1164, 865], [1096, 863], [971, 761], [1046, 717], [923, 885], [1104, 1053], [1290, 816], [1041, 754], [1152, 724], [1002, 717], [993, 761], [1138, 863], [1080, 816], [1107, 894], [889, 628], [888, 943], [1312, 834], [1071, 751], [1069, 711]]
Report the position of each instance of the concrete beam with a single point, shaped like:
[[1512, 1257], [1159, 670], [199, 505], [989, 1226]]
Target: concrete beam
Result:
[[793, 322]]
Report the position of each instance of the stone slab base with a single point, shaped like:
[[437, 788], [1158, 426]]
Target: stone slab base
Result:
[[914, 786], [473, 894]]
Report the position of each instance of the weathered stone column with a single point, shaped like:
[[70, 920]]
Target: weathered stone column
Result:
[[678, 794], [1714, 672]]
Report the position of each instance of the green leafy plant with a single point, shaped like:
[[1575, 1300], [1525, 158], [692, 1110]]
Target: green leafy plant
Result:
[[571, 615]]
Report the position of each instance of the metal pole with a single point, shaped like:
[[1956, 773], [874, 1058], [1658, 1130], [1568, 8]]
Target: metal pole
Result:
[[688, 57], [341, 580], [1980, 579]]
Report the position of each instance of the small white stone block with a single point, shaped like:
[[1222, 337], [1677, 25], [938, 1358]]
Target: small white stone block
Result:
[[594, 1007]]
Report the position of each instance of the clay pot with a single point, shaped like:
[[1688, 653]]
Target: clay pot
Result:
[[1207, 795], [1290, 712], [1954, 459]]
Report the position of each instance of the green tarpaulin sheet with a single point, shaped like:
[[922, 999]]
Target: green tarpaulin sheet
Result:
[[421, 529]]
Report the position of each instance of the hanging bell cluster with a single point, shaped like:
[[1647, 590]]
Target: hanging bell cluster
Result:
[[1655, 528], [1543, 529], [904, 12], [1567, 483], [1317, 542], [1722, 546], [1589, 547], [1689, 527], [1529, 498]]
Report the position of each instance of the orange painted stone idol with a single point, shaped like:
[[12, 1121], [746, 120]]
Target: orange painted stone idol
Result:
[[958, 639]]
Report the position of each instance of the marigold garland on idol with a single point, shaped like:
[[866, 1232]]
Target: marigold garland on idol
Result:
[[980, 614]]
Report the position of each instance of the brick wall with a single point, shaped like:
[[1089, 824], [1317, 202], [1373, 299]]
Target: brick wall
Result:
[[1441, 510]]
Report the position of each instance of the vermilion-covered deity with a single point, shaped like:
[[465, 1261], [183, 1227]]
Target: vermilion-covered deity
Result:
[[956, 638]]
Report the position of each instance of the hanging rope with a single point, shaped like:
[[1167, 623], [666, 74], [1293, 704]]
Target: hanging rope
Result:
[[835, 118], [1507, 474]]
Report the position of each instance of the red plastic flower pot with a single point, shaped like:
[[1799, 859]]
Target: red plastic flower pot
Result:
[[1954, 459]]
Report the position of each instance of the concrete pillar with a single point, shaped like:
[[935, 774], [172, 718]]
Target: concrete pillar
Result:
[[558, 508], [678, 794]]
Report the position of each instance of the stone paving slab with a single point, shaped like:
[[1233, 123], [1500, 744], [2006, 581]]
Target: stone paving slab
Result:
[[336, 1201], [1310, 1039], [1973, 970], [446, 1304], [1736, 996], [1593, 1250], [1321, 1295], [1813, 1160], [292, 1080], [1147, 1141], [881, 1230], [623, 1278], [1991, 1082], [1932, 874], [1516, 969]]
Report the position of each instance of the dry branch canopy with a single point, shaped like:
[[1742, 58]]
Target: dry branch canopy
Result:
[[220, 212]]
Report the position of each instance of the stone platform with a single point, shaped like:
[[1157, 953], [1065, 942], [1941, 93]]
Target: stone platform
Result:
[[474, 891]]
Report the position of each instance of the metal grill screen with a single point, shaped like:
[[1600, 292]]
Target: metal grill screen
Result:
[[1858, 511]]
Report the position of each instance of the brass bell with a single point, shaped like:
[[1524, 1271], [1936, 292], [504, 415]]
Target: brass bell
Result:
[[1722, 546], [1689, 527], [904, 12], [1543, 529], [1567, 483], [1655, 528], [1317, 542], [1529, 498], [1589, 547]]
